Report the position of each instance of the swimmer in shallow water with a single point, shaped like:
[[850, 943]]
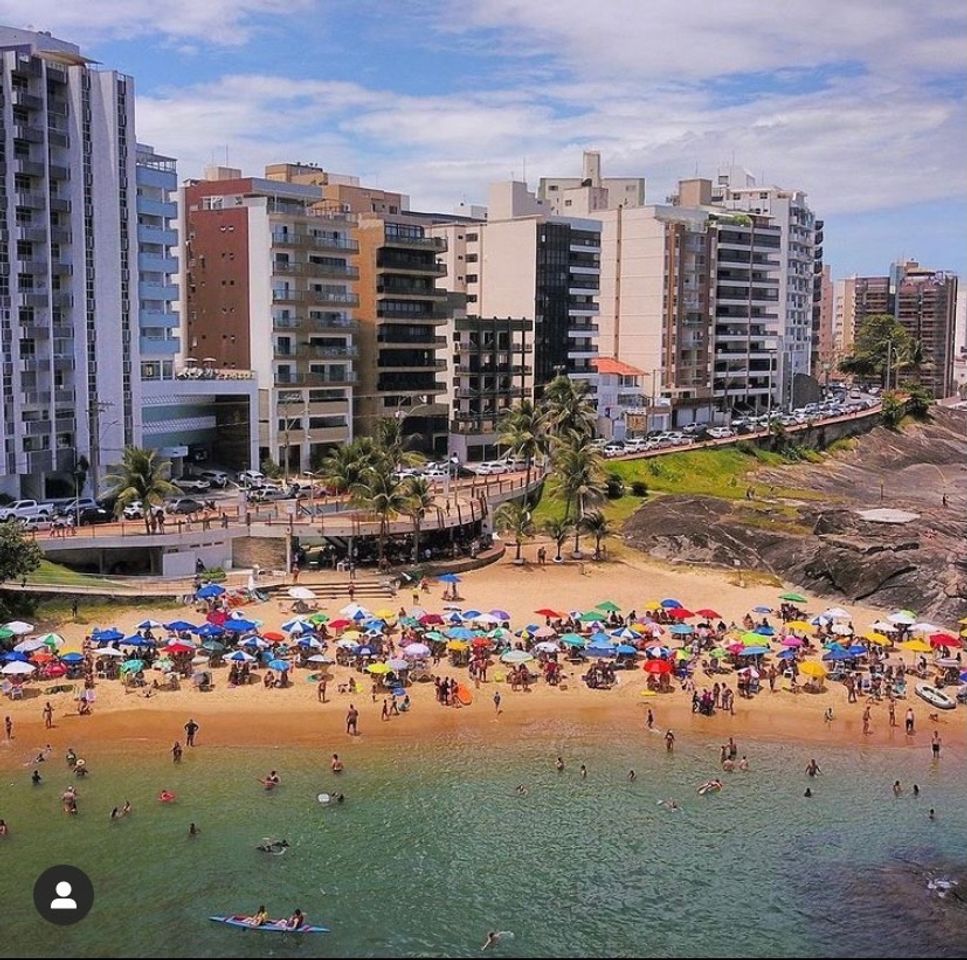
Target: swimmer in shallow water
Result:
[[493, 938], [521, 790], [268, 845]]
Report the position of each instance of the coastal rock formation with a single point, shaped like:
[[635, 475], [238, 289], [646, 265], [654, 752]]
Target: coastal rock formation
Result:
[[821, 542]]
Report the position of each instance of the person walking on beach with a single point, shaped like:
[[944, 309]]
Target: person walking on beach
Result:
[[8, 727], [892, 712], [496, 701], [867, 714], [176, 752], [935, 745], [191, 728], [321, 690], [352, 721], [909, 721], [385, 709], [74, 609], [669, 741], [48, 715], [650, 720]]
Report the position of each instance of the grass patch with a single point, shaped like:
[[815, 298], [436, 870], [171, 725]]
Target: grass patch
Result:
[[843, 445], [54, 573]]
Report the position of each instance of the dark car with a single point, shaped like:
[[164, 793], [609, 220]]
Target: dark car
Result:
[[93, 515], [184, 505]]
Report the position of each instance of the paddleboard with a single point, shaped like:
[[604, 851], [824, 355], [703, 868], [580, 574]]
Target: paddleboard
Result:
[[273, 926], [464, 695], [324, 798], [935, 697]]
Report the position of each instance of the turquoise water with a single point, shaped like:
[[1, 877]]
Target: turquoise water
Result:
[[434, 847]]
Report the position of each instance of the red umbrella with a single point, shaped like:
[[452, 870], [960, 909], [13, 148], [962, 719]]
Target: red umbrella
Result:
[[709, 614], [180, 648], [548, 612], [481, 642], [274, 636], [218, 617], [658, 666], [679, 613], [339, 624], [944, 640], [428, 618]]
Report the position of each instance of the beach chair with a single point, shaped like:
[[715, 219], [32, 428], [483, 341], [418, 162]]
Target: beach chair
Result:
[[16, 692]]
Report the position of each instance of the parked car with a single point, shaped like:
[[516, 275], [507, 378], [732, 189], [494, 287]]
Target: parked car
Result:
[[613, 450], [194, 484], [515, 463], [217, 478], [133, 511], [489, 468], [93, 515], [251, 478], [720, 433], [39, 521], [184, 505], [75, 505], [21, 509]]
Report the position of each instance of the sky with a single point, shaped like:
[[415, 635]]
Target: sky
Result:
[[862, 104]]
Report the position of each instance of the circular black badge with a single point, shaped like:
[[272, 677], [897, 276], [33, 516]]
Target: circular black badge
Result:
[[63, 895]]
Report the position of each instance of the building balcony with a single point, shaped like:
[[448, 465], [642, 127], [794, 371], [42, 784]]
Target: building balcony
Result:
[[28, 132], [36, 233], [341, 271], [392, 363], [402, 241], [315, 296], [34, 266], [58, 138], [29, 168], [320, 324], [157, 263], [35, 398], [31, 200], [388, 313], [64, 395], [308, 351], [498, 370], [584, 270], [392, 261], [58, 171], [582, 247], [37, 298], [390, 337], [315, 379], [158, 346], [169, 319], [582, 329], [60, 205], [157, 291], [166, 209], [157, 235], [294, 238], [24, 99], [473, 393], [400, 291]]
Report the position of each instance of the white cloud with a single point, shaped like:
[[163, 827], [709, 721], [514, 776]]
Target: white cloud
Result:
[[202, 22]]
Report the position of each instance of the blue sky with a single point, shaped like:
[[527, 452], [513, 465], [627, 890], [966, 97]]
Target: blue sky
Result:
[[860, 104]]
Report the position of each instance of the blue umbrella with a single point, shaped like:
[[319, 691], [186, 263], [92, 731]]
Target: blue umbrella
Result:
[[278, 664], [530, 628], [787, 655], [838, 655], [360, 615], [448, 578], [762, 609], [239, 626], [209, 630], [136, 640], [470, 614], [454, 618], [601, 640], [363, 651], [857, 650], [179, 626], [461, 633], [754, 651], [602, 651], [240, 656], [765, 631], [668, 603], [963, 677], [210, 590], [626, 649], [15, 655], [72, 657], [681, 629], [106, 636]]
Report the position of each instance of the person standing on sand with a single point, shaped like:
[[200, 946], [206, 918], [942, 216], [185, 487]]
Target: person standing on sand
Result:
[[191, 728], [385, 709], [48, 715], [8, 727], [909, 721], [935, 745], [867, 715], [321, 690], [892, 712], [496, 701], [669, 741], [176, 752], [352, 721], [650, 720]]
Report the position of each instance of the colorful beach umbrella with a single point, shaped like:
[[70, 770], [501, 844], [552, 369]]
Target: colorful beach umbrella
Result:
[[132, 666], [107, 635], [448, 578], [18, 628], [679, 613], [149, 625], [516, 656], [209, 591], [378, 669], [813, 669], [793, 597], [669, 603], [574, 640], [548, 612], [239, 626], [657, 667], [802, 625], [709, 613], [609, 606], [916, 646], [592, 616], [416, 650], [17, 668], [278, 664]]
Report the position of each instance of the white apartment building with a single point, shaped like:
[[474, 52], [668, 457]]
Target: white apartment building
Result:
[[583, 196], [69, 384]]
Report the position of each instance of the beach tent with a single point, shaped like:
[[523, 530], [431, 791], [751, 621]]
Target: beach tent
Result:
[[516, 656]]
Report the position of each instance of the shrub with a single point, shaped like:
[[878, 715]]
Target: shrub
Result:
[[639, 488], [616, 486], [214, 574]]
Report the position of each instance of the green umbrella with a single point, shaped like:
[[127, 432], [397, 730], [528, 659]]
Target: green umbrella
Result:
[[591, 616], [574, 640], [718, 653], [52, 639], [213, 646], [438, 637], [132, 666], [609, 606], [500, 633], [753, 640], [318, 618], [5, 634], [793, 597]]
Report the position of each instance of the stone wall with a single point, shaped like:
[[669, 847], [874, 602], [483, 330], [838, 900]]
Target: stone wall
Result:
[[267, 552]]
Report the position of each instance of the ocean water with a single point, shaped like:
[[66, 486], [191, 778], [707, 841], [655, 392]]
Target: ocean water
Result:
[[434, 847]]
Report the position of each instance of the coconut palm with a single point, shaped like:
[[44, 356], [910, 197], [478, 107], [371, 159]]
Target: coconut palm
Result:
[[383, 493], [397, 444], [597, 525], [558, 529], [521, 429], [345, 466], [142, 475], [568, 408], [515, 518], [420, 495], [578, 478], [892, 408]]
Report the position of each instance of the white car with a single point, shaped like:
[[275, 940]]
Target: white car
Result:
[[489, 468], [40, 521], [133, 511], [21, 509], [720, 433], [515, 463], [216, 478], [613, 450], [192, 484], [251, 478]]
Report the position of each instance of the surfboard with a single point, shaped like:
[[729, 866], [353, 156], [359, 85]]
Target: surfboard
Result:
[[273, 926], [464, 695]]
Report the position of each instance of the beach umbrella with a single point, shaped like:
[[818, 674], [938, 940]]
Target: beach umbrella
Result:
[[791, 642], [792, 597], [454, 617], [179, 626], [179, 647], [609, 606], [14, 655], [109, 652], [430, 618], [836, 613], [209, 591], [239, 626], [301, 593], [749, 672], [594, 651], [107, 635], [516, 656], [75, 657], [787, 654], [480, 642], [149, 625], [679, 613], [554, 615], [884, 626], [52, 639], [351, 609], [5, 634], [17, 668], [378, 669], [765, 631], [320, 658], [448, 578], [801, 625], [309, 643], [213, 646], [903, 616], [543, 632], [681, 629], [625, 650], [340, 624], [857, 650], [257, 643], [461, 633], [574, 640], [487, 619], [501, 615], [437, 637], [657, 667], [927, 628], [547, 646], [29, 645], [963, 677], [841, 629], [132, 666], [838, 654], [208, 630], [735, 648], [877, 638], [471, 614], [812, 669], [625, 633], [682, 654], [717, 653], [658, 651], [750, 639], [592, 616], [351, 635], [458, 646], [669, 603], [136, 640], [416, 650], [240, 656], [43, 655], [273, 636], [708, 613], [944, 640], [916, 646], [600, 639], [762, 609], [278, 664], [18, 628], [319, 617], [754, 651], [398, 664]]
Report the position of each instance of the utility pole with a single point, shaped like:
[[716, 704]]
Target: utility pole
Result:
[[95, 410]]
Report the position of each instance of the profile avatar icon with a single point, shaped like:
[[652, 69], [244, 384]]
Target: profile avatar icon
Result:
[[63, 900]]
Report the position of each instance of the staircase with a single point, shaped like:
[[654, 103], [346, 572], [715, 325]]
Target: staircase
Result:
[[330, 590]]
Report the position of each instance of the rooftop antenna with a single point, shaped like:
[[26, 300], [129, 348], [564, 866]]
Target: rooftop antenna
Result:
[[226, 154], [525, 168]]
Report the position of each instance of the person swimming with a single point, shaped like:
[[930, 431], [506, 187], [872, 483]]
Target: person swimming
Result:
[[710, 786], [271, 781], [493, 938], [276, 847], [559, 764], [166, 796], [36, 778], [193, 831], [521, 790], [632, 776]]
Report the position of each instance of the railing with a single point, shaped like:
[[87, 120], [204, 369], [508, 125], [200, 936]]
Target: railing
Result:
[[213, 373]]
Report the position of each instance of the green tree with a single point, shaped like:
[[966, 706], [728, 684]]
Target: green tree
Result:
[[598, 526], [141, 475], [578, 478], [568, 408], [515, 517], [383, 493], [346, 465], [81, 466], [881, 344], [420, 496], [892, 409], [558, 529], [919, 401], [20, 554], [521, 429], [397, 444]]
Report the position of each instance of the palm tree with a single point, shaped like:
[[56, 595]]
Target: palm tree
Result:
[[420, 495], [596, 524], [892, 408], [142, 475], [568, 408], [579, 478], [381, 492], [515, 518], [396, 444], [521, 429], [558, 529]]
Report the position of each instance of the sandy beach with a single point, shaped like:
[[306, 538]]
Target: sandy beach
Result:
[[256, 716]]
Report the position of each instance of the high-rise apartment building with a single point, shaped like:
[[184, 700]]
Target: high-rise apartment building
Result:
[[270, 287], [824, 352], [69, 384], [844, 315], [583, 196]]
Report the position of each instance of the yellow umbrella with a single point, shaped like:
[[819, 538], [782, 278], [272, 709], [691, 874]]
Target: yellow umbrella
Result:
[[962, 620], [652, 605], [457, 645], [379, 668], [800, 625], [916, 646], [351, 635], [873, 637], [385, 614], [812, 669]]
